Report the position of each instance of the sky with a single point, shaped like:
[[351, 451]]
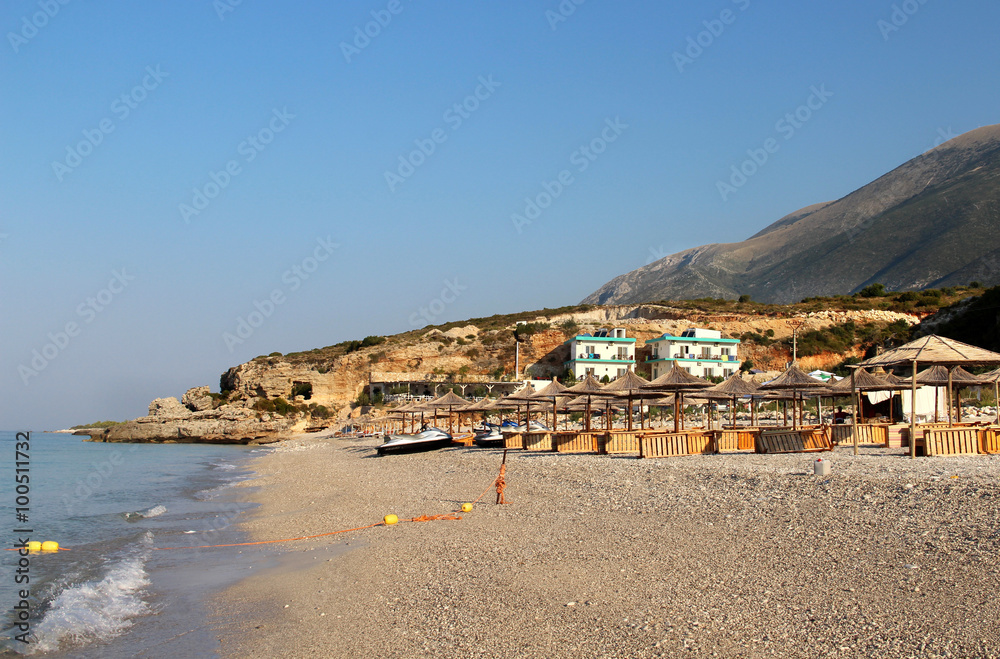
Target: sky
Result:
[[185, 186]]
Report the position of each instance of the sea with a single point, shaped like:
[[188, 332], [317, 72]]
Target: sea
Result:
[[128, 581]]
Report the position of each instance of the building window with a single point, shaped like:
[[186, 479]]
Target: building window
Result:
[[621, 372], [588, 371], [724, 352]]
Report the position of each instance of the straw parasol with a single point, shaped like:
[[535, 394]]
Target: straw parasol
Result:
[[794, 381], [588, 387], [862, 381], [994, 377], [551, 390], [630, 386], [733, 388], [678, 381], [523, 396], [939, 376], [450, 400], [485, 406], [931, 349]]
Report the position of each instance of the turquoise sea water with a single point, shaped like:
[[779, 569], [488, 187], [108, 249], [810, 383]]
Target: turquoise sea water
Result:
[[114, 594]]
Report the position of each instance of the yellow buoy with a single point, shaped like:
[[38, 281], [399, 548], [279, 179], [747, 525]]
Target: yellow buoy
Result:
[[50, 545], [466, 507], [390, 520], [34, 545]]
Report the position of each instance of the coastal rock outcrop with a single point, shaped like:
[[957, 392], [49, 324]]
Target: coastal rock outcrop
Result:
[[168, 408], [229, 424], [197, 399]]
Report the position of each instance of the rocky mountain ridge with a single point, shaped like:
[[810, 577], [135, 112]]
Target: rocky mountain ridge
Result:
[[929, 223]]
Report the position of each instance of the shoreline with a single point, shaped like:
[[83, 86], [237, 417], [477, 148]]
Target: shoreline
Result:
[[737, 554]]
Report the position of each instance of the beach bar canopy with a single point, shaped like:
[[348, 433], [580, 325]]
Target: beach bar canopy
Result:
[[931, 350]]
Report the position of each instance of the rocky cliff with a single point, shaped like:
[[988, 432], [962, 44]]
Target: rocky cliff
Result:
[[271, 396]]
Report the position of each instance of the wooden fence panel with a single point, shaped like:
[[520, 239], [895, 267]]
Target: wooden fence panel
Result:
[[952, 441], [989, 440], [575, 442], [620, 441], [513, 439], [538, 441]]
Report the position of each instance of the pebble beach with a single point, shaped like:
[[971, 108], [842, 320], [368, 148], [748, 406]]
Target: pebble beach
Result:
[[738, 555]]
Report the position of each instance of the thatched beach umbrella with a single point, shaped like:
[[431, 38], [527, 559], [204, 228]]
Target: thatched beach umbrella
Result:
[[733, 388], [590, 388], [523, 397], [450, 401], [931, 349], [677, 380], [795, 381], [939, 376], [551, 391], [630, 386], [994, 377]]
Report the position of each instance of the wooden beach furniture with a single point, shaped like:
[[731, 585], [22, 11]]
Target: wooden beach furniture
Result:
[[989, 440], [537, 441], [868, 433], [512, 439], [617, 442], [807, 440], [730, 440], [665, 445], [576, 442], [949, 441]]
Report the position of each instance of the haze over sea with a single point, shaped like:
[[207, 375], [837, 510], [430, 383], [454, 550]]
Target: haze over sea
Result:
[[112, 594]]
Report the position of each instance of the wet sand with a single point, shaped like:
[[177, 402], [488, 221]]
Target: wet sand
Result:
[[738, 555]]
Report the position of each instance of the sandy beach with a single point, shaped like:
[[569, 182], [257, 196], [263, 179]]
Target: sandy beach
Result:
[[737, 555]]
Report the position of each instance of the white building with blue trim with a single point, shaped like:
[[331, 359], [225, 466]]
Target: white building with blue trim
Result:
[[606, 352], [700, 352]]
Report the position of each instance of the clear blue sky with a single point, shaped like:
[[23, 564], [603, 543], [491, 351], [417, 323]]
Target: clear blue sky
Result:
[[267, 90]]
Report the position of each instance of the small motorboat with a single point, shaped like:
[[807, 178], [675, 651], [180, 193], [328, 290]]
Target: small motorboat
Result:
[[428, 439], [534, 426], [489, 437]]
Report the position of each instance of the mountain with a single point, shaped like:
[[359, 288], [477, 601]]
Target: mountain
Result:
[[932, 222]]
